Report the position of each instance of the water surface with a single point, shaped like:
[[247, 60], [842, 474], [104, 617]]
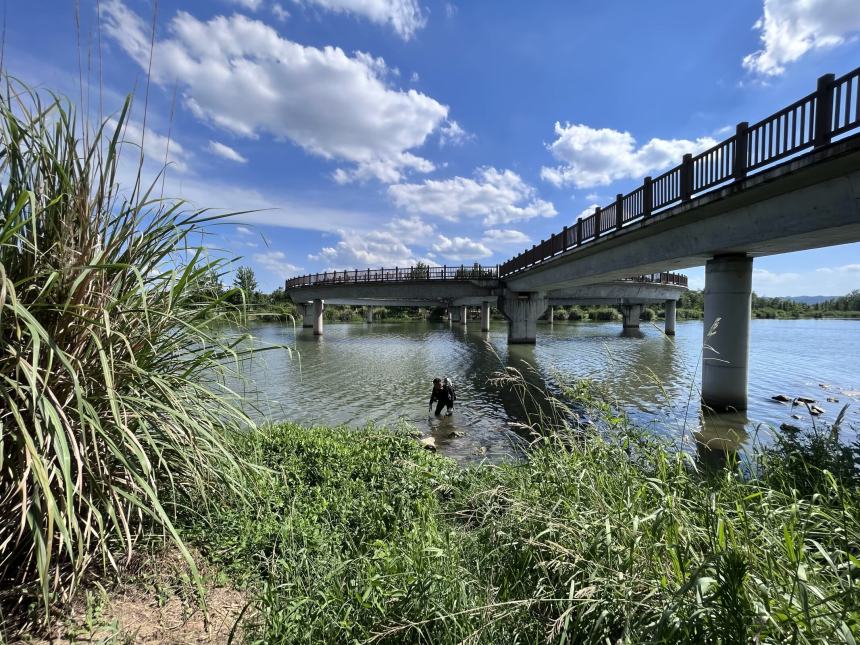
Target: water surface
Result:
[[382, 373]]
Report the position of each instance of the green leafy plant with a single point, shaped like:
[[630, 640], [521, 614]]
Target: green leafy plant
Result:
[[110, 408]]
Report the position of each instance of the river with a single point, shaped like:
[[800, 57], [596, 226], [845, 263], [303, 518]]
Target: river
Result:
[[382, 373]]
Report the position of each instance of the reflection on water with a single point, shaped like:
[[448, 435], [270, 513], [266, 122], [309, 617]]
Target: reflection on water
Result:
[[382, 373]]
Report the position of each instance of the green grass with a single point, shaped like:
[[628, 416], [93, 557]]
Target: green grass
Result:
[[358, 536]]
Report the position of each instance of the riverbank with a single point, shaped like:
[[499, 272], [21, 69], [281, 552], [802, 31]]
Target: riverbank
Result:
[[361, 535]]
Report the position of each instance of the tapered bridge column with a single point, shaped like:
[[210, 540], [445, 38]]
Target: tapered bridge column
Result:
[[307, 315], [522, 311], [725, 357], [485, 316], [670, 317], [369, 313], [454, 314], [464, 314], [631, 314], [318, 317], [551, 315]]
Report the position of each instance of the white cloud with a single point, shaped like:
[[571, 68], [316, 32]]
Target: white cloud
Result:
[[244, 230], [240, 75], [498, 196], [276, 262], [790, 28], [823, 281], [598, 156], [279, 12], [404, 16], [461, 249], [225, 152], [158, 149], [250, 5], [414, 78], [411, 229], [588, 210], [451, 133], [359, 250], [450, 9], [505, 236]]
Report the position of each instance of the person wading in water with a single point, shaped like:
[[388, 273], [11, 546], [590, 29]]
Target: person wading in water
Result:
[[439, 395]]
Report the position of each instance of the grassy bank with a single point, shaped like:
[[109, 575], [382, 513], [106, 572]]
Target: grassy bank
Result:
[[357, 536]]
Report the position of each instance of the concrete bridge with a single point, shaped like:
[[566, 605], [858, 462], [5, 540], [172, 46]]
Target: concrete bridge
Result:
[[789, 182], [458, 288]]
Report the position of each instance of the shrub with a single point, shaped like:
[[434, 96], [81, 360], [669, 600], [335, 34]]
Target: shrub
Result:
[[604, 314], [107, 414]]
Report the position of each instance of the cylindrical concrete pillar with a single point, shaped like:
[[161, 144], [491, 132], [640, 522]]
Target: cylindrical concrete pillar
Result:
[[369, 312], [454, 314], [464, 314], [551, 315], [669, 305], [318, 317], [631, 314], [448, 314], [522, 312], [485, 316], [307, 315], [725, 357]]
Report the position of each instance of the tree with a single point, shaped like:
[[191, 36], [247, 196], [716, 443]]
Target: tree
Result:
[[246, 281], [420, 271]]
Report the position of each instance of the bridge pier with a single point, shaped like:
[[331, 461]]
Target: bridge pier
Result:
[[725, 356], [522, 311], [551, 316], [307, 315], [369, 312], [318, 317], [670, 307], [631, 314], [485, 316]]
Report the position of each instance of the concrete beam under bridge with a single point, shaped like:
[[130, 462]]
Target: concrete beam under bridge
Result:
[[446, 290], [811, 202]]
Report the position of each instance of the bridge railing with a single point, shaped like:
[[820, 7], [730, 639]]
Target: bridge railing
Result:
[[833, 109], [407, 274], [397, 274]]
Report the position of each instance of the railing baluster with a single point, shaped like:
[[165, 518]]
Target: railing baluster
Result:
[[823, 110]]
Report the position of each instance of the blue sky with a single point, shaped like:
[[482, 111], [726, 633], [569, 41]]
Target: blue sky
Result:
[[384, 132]]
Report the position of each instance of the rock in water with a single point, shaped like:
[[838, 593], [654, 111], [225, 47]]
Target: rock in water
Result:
[[787, 427], [805, 399], [456, 434], [782, 398], [815, 410], [428, 443], [832, 399]]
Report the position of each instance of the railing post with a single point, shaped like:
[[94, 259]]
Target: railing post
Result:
[[647, 196], [564, 238], [579, 232], [739, 163], [619, 211], [687, 177], [823, 110]]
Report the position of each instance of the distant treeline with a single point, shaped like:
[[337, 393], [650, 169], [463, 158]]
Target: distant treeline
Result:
[[691, 305]]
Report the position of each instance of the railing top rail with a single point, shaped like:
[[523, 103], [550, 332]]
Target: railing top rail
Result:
[[452, 274], [833, 109]]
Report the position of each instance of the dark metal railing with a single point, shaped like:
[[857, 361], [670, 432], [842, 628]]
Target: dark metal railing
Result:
[[397, 274], [832, 110], [461, 273]]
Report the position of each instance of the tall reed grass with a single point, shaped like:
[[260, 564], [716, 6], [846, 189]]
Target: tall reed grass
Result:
[[109, 410]]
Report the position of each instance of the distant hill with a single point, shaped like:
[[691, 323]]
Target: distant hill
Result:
[[810, 300]]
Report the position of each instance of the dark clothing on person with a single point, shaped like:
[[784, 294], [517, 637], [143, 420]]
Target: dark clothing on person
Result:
[[450, 395], [441, 395]]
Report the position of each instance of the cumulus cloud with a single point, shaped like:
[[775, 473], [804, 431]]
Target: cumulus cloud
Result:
[[276, 262], [404, 16], [461, 249], [279, 12], [238, 74], [411, 229], [598, 156], [360, 250], [452, 133], [498, 196], [823, 281], [225, 152], [244, 230], [496, 236], [790, 28]]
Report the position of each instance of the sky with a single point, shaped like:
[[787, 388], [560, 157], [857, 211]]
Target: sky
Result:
[[369, 133]]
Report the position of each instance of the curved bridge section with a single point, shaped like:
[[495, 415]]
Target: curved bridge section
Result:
[[457, 288]]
